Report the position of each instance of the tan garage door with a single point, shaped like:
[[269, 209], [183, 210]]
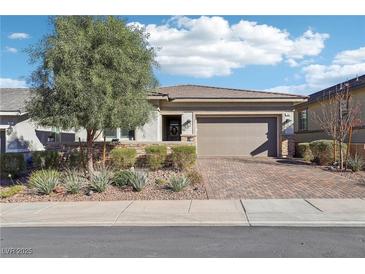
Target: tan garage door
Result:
[[237, 136]]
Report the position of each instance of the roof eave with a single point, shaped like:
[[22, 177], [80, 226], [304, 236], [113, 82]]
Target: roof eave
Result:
[[11, 113], [249, 100]]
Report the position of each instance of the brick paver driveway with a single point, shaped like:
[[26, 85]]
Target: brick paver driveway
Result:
[[232, 178]]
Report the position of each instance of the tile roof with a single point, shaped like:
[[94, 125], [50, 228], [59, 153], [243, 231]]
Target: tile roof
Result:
[[207, 92], [14, 99], [355, 83]]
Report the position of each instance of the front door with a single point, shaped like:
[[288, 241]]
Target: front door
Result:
[[172, 128]]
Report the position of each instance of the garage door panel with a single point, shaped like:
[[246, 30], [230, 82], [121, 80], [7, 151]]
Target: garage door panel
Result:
[[237, 136]]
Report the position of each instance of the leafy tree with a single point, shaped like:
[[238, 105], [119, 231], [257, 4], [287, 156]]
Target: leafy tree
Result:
[[337, 117], [93, 73]]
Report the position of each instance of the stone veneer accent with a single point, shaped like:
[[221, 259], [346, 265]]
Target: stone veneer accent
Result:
[[287, 146]]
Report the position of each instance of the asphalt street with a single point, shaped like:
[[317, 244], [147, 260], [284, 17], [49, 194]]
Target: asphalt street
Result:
[[183, 242]]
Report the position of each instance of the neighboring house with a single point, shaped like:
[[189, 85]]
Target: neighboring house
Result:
[[17, 132], [307, 127], [220, 121]]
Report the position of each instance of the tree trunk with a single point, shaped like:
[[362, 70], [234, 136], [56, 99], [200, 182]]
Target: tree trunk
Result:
[[341, 156], [334, 150], [89, 152], [104, 151], [348, 147]]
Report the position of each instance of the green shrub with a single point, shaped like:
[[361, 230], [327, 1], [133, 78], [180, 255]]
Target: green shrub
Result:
[[194, 176], [122, 178], [101, 179], [184, 156], [356, 163], [12, 164], [322, 151], [76, 159], [138, 180], [47, 159], [160, 181], [177, 183], [11, 191], [73, 181], [122, 158], [44, 181], [305, 152], [156, 156]]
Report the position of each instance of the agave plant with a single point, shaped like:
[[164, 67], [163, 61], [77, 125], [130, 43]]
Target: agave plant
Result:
[[73, 181], [177, 183], [138, 180], [44, 181], [101, 179]]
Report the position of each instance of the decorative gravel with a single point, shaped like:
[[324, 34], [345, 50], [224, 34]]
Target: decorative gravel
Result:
[[358, 177], [151, 191]]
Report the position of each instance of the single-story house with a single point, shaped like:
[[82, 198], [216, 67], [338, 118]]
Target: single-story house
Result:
[[307, 127], [220, 121], [17, 132]]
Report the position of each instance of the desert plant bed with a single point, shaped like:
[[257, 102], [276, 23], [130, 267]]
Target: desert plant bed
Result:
[[153, 190]]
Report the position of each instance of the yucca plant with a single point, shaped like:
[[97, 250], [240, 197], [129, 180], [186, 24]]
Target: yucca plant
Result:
[[138, 180], [177, 183], [101, 179], [73, 181], [356, 163], [44, 181]]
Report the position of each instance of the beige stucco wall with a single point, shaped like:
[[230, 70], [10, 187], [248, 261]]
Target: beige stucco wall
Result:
[[358, 97]]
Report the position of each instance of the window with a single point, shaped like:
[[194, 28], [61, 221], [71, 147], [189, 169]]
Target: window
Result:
[[118, 133], [303, 120], [111, 133], [124, 133]]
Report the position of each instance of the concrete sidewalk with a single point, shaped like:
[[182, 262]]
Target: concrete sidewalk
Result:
[[275, 212]]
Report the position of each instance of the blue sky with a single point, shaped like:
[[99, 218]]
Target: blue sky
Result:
[[296, 54]]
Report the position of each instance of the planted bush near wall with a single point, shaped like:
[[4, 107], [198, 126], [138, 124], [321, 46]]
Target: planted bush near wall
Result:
[[12, 164], [356, 163], [11, 191], [122, 178], [156, 156], [122, 158], [47, 159], [183, 157], [323, 151], [76, 159], [304, 151], [44, 181], [194, 176]]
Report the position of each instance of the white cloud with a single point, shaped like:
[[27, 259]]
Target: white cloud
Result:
[[309, 44], [345, 65], [12, 83], [210, 46], [11, 50], [300, 89], [19, 36], [349, 57]]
